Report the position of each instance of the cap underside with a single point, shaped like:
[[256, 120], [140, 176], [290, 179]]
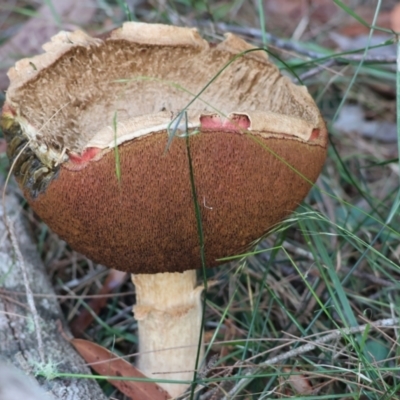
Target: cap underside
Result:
[[84, 92]]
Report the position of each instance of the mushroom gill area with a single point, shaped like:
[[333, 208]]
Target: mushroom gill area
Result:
[[98, 90]]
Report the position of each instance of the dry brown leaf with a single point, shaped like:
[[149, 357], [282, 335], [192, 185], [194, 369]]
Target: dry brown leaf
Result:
[[104, 362], [84, 319], [299, 383]]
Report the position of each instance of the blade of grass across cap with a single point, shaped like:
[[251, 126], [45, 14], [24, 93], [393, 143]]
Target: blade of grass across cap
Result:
[[203, 260], [104, 362], [174, 124], [173, 127]]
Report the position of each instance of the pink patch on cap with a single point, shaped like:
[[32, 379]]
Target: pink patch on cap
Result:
[[236, 123], [314, 134], [85, 157]]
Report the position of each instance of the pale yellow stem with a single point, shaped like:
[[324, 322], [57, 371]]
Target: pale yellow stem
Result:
[[168, 310]]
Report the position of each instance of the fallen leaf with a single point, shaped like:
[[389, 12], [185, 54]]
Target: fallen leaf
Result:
[[106, 363], [79, 324], [299, 383]]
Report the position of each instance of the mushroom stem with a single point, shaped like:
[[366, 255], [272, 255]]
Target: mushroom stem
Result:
[[168, 310]]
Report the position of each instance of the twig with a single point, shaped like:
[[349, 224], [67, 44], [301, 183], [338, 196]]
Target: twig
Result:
[[246, 374], [317, 70], [291, 45], [272, 39], [69, 296]]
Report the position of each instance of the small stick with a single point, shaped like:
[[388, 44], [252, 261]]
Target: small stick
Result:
[[338, 333]]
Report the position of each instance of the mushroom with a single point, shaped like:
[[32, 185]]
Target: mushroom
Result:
[[99, 133]]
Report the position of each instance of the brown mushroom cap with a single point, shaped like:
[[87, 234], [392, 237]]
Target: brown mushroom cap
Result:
[[257, 141]]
